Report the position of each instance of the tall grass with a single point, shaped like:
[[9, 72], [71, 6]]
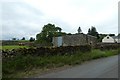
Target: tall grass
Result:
[[26, 63]]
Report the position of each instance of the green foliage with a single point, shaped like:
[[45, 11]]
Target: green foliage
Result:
[[79, 30], [32, 39], [26, 63], [13, 39], [58, 29], [93, 32], [25, 59], [119, 34], [69, 34], [48, 32], [10, 47], [111, 34], [23, 38], [101, 36]]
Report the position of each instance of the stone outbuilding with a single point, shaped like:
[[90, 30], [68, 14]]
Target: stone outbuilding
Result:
[[74, 40]]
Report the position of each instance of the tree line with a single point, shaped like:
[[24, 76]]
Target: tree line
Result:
[[23, 39], [50, 30]]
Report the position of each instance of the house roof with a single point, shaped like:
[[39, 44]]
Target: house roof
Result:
[[80, 34], [115, 37]]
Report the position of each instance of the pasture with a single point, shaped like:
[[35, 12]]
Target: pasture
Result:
[[10, 47]]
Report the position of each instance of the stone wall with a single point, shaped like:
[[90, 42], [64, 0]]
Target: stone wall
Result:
[[92, 40], [76, 40], [73, 40]]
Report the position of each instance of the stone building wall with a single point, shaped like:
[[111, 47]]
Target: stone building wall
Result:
[[55, 41], [73, 40], [76, 40], [92, 40]]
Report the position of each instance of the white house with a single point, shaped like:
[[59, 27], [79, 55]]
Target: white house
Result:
[[117, 38], [111, 39]]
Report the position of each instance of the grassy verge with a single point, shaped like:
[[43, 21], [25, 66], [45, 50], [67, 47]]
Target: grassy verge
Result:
[[21, 66], [0, 67], [10, 47]]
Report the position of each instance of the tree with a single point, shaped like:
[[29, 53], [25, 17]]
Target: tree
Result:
[[23, 38], [89, 31], [32, 39], [79, 30], [58, 29], [101, 36], [69, 34], [93, 32], [111, 34], [48, 32], [13, 38], [119, 34]]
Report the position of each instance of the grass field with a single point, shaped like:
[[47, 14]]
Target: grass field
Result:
[[9, 47], [22, 40], [0, 67], [0, 47]]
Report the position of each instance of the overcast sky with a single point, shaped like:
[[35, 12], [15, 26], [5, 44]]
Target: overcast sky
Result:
[[25, 18]]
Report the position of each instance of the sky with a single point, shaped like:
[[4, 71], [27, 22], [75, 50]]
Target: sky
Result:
[[25, 18]]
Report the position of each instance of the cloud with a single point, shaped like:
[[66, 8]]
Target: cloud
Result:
[[20, 19], [25, 18]]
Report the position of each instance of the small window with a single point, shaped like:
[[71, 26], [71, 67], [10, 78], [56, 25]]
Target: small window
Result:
[[107, 37]]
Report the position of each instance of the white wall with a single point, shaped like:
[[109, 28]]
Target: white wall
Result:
[[108, 40]]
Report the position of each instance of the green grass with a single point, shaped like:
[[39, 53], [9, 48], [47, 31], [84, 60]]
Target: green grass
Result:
[[23, 40], [0, 67], [0, 47], [9, 47], [22, 64]]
